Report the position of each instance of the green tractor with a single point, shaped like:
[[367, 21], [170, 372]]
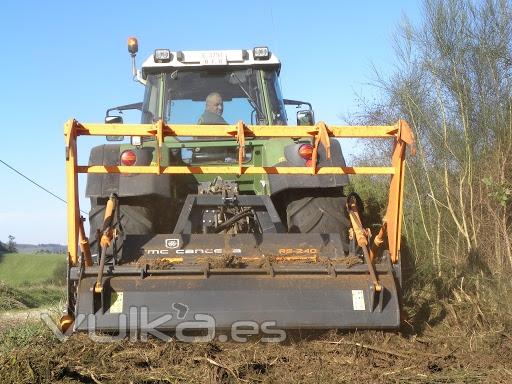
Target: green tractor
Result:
[[236, 219]]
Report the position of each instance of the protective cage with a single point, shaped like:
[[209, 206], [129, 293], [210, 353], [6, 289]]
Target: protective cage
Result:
[[281, 283]]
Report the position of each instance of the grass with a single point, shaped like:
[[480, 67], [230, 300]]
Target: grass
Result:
[[18, 269], [31, 281], [24, 334], [30, 296]]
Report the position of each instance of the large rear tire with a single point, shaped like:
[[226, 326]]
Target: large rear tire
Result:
[[136, 216], [313, 213]]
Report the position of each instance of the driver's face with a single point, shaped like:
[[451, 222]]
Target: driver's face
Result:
[[216, 105]]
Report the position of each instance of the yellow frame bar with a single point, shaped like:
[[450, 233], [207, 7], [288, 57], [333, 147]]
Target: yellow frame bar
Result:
[[346, 131], [320, 134], [235, 170]]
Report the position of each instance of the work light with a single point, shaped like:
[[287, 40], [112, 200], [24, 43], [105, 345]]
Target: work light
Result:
[[162, 56], [261, 53], [133, 46]]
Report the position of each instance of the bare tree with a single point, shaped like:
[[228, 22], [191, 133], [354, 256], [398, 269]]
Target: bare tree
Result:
[[453, 84]]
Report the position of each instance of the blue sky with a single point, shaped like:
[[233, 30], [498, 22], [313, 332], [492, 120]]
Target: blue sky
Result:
[[68, 59]]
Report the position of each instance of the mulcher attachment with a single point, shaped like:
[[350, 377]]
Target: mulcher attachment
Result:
[[290, 280], [266, 277]]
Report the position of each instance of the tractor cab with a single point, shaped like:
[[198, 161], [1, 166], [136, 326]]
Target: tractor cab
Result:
[[180, 84]]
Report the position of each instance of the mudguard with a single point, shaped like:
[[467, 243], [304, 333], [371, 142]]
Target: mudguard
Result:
[[102, 185], [280, 183]]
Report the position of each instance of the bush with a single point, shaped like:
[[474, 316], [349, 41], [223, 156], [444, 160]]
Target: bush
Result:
[[59, 274]]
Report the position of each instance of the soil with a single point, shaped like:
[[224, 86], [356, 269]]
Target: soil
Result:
[[441, 354]]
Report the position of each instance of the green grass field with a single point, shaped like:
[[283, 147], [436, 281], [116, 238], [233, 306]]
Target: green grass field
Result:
[[21, 269], [30, 281]]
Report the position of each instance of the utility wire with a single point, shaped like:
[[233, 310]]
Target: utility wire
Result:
[[40, 186]]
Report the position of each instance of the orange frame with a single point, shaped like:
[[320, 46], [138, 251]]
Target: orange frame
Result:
[[320, 134]]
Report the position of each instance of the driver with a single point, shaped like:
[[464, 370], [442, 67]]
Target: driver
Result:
[[213, 110]]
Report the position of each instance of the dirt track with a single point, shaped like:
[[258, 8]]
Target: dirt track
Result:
[[22, 315], [440, 355]]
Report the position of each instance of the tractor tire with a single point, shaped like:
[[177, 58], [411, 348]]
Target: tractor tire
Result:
[[319, 214], [135, 219]]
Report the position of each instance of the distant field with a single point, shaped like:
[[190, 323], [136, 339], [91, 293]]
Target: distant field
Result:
[[31, 281], [21, 269]]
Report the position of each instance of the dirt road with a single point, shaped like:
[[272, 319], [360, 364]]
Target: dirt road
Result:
[[12, 318]]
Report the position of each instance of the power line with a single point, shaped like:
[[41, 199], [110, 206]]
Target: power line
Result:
[[39, 185]]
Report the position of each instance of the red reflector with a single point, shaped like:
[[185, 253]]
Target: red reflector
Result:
[[309, 163], [306, 151], [128, 158]]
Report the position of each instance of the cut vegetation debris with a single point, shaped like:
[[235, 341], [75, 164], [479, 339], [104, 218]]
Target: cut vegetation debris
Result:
[[441, 355], [450, 343]]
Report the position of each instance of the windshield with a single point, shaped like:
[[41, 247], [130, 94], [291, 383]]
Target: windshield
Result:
[[223, 96]]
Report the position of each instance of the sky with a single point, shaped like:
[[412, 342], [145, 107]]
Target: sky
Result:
[[69, 59]]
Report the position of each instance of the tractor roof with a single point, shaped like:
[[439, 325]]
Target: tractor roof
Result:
[[165, 59]]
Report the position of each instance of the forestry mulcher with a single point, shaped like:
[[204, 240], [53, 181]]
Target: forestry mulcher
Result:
[[217, 209]]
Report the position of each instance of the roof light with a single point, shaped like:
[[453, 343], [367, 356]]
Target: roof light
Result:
[[162, 56], [133, 46], [261, 53], [128, 158]]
